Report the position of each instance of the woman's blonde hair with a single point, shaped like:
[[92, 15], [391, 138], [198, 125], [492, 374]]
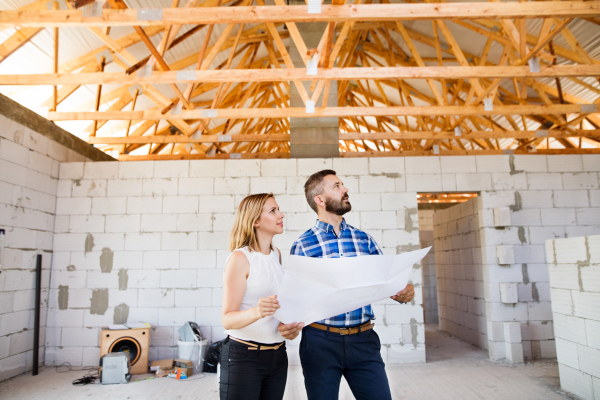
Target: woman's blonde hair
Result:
[[243, 232]]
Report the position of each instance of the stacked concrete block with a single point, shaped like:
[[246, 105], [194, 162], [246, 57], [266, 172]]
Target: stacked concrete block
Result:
[[430, 301], [508, 293], [460, 283], [574, 265], [506, 255], [502, 217], [29, 168], [513, 345]]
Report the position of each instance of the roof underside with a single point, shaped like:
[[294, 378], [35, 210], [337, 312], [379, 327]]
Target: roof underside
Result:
[[393, 111]]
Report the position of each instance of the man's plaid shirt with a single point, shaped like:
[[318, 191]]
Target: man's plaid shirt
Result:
[[320, 241]]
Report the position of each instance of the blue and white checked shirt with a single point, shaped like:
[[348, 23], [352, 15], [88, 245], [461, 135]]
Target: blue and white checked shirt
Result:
[[320, 241]]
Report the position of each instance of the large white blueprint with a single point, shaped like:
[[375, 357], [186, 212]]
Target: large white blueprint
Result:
[[318, 288]]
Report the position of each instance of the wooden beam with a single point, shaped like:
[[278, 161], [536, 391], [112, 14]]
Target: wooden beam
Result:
[[300, 112], [56, 6], [22, 36], [329, 13], [417, 153], [98, 96], [244, 156], [163, 65], [413, 135], [444, 135], [16, 40], [357, 154], [187, 139], [299, 74]]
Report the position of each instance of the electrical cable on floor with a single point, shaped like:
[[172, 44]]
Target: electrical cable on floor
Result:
[[90, 378], [84, 380]]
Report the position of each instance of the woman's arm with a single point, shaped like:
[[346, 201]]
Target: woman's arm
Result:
[[236, 273]]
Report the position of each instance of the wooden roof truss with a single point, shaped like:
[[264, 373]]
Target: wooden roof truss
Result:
[[394, 96]]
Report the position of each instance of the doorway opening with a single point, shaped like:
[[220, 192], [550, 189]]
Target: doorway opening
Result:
[[452, 276]]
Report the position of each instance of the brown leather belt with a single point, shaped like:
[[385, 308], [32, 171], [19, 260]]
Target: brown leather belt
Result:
[[252, 346], [344, 331]]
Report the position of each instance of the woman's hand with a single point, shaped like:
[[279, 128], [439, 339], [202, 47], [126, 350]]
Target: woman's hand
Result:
[[267, 306], [290, 331]]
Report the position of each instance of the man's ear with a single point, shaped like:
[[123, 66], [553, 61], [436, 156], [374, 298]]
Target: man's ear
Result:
[[319, 201]]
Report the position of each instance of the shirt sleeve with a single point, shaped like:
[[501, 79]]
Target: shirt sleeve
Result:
[[297, 249], [373, 247]]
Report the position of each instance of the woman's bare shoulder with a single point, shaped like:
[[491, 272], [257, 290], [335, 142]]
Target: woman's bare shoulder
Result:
[[238, 262]]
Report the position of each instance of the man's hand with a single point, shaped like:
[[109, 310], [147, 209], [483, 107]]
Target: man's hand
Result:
[[405, 295], [290, 331]]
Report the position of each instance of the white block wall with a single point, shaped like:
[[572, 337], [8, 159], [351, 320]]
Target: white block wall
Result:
[[147, 241], [574, 266], [29, 165], [459, 273], [430, 301], [549, 197]]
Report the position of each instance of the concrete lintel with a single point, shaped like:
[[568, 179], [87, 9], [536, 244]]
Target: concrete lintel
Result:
[[315, 150], [24, 116]]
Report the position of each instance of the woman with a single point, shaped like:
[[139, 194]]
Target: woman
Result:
[[253, 357]]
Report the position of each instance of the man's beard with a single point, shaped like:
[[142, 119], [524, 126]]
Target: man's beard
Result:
[[337, 207]]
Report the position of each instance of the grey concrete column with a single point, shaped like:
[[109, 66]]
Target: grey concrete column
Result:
[[315, 137]]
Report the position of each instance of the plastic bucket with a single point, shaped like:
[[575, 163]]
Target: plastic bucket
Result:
[[193, 351]]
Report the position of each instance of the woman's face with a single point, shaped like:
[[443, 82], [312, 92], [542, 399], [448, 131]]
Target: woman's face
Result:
[[271, 219]]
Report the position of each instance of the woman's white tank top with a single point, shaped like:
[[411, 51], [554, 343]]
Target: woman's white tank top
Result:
[[264, 280]]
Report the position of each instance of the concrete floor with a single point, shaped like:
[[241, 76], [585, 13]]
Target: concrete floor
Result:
[[454, 370]]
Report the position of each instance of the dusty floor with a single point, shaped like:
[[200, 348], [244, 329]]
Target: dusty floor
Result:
[[454, 370]]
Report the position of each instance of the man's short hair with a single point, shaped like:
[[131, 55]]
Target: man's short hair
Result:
[[314, 186]]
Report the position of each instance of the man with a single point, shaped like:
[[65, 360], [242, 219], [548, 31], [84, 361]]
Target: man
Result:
[[343, 344]]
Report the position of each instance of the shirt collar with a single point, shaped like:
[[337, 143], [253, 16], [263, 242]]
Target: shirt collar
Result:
[[328, 227]]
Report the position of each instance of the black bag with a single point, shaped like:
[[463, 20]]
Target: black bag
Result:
[[213, 355]]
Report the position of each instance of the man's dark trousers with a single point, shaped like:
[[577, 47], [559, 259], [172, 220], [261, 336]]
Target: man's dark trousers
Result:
[[326, 356]]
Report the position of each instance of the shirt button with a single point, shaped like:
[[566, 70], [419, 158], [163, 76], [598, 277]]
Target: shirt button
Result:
[[341, 255]]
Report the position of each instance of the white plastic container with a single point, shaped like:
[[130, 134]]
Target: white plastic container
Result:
[[193, 351]]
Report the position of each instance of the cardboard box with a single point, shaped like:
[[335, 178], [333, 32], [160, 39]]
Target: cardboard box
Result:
[[184, 365], [165, 365], [171, 365]]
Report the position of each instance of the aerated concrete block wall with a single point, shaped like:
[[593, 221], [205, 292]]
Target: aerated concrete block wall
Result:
[[574, 266], [29, 165], [459, 273], [523, 201], [147, 241], [430, 301]]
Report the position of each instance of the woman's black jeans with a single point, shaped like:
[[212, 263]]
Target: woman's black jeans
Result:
[[252, 374]]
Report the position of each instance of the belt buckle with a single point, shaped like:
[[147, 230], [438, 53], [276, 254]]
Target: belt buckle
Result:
[[345, 329]]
